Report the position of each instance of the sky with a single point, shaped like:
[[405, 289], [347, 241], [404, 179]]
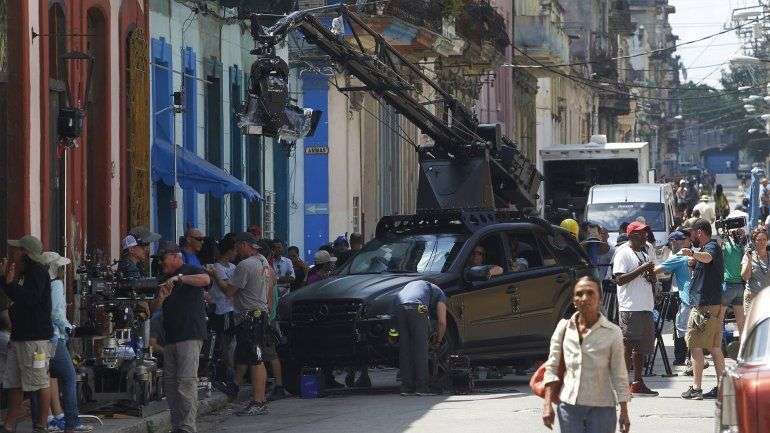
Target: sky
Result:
[[695, 19]]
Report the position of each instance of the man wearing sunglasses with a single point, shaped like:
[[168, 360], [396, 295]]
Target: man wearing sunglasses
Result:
[[193, 243]]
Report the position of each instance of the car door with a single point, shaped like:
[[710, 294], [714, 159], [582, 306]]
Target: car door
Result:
[[485, 306], [536, 289]]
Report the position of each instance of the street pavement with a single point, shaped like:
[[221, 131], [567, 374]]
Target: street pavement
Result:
[[502, 406]]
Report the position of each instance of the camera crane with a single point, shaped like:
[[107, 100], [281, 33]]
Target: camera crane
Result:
[[469, 165]]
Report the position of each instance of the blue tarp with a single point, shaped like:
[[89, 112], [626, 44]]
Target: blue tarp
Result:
[[194, 172], [755, 213]]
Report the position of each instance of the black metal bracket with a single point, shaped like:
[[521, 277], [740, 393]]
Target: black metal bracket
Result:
[[36, 34]]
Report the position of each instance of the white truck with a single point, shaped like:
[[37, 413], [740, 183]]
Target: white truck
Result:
[[570, 170]]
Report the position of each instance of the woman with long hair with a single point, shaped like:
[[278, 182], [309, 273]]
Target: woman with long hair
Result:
[[595, 378], [721, 206]]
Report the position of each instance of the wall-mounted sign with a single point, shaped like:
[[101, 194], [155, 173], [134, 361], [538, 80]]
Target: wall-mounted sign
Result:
[[316, 150]]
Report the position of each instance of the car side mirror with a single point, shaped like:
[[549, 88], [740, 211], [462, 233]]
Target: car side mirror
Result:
[[477, 273]]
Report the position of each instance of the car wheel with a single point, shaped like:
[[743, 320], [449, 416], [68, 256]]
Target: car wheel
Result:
[[291, 376]]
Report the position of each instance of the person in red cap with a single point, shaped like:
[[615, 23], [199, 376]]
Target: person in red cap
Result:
[[633, 269]]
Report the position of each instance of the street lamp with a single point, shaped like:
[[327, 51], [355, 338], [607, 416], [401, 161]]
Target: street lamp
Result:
[[69, 121]]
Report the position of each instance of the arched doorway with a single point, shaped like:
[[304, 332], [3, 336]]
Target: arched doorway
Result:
[[57, 76], [97, 142]]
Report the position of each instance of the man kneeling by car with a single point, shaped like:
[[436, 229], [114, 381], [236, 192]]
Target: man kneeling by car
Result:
[[416, 303]]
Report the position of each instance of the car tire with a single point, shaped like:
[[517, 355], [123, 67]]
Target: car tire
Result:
[[291, 376]]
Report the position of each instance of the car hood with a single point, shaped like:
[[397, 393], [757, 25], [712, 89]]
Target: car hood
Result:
[[363, 286]]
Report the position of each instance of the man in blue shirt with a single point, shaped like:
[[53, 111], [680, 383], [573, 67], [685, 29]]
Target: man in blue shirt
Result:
[[679, 266], [193, 243], [416, 303]]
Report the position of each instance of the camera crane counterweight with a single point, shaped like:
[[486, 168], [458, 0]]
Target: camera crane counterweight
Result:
[[469, 165]]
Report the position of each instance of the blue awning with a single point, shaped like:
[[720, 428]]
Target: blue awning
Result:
[[194, 172]]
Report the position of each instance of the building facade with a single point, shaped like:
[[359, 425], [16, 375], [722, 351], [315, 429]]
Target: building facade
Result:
[[77, 197]]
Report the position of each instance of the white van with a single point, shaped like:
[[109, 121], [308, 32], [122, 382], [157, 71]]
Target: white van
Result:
[[612, 205]]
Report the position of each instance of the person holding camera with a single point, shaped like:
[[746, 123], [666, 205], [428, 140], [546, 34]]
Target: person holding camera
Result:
[[704, 326], [732, 292], [754, 268], [633, 269], [180, 297]]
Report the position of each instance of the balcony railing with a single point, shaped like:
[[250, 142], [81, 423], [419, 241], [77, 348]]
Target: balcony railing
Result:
[[541, 39]]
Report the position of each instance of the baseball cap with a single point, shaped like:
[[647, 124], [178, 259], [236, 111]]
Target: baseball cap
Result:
[[128, 242], [249, 239], [31, 245], [677, 236], [323, 256], [636, 226], [341, 240], [168, 248]]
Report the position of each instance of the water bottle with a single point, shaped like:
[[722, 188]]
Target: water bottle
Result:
[[140, 347]]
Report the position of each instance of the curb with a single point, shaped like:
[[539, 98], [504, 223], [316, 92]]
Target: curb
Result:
[[161, 422]]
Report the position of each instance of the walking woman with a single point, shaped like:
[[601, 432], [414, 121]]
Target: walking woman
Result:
[[721, 206], [754, 268], [595, 377]]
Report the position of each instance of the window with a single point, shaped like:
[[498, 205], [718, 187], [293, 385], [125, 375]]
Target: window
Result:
[[524, 251], [406, 254], [756, 348], [493, 252]]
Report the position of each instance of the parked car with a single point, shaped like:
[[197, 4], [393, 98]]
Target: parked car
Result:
[[344, 320], [743, 403]]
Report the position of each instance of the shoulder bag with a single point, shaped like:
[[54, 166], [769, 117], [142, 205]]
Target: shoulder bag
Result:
[[536, 382]]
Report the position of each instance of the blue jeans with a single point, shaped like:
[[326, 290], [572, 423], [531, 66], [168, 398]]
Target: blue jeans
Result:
[[63, 369], [586, 419]]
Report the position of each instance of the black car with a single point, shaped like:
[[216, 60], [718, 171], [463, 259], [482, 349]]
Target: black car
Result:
[[344, 320]]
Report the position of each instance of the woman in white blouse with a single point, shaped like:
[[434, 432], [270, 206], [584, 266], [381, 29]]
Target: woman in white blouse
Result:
[[595, 378]]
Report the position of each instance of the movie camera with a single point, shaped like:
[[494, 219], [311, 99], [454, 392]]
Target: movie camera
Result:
[[111, 342]]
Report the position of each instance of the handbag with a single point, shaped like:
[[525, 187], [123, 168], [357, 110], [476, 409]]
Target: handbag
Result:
[[536, 382]]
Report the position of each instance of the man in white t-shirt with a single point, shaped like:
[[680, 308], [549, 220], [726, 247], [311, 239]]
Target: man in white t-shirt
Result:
[[634, 274]]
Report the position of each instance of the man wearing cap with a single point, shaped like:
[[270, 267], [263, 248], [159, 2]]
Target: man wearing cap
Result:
[[133, 258], [248, 287], [323, 265], [679, 266], [705, 208], [26, 282], [704, 326], [633, 270], [184, 326], [764, 198]]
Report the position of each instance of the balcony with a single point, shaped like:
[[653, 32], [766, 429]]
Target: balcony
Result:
[[615, 103], [542, 40]]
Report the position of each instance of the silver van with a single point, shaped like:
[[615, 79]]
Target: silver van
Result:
[[612, 205]]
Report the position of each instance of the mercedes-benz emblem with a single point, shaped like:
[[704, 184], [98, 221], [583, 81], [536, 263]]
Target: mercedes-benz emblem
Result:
[[323, 311]]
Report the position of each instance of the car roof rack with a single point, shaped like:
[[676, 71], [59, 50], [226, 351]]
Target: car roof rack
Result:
[[470, 220]]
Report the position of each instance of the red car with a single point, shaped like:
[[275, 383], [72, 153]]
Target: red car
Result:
[[743, 405]]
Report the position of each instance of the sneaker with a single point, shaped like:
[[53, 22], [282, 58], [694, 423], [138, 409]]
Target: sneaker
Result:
[[640, 389], [278, 393], [688, 372], [83, 428], [253, 408], [693, 394], [711, 394]]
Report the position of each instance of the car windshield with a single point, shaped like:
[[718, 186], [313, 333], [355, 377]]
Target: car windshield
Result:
[[407, 254], [612, 215]]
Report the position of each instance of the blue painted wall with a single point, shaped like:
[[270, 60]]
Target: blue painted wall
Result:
[[190, 122], [162, 128], [316, 89]]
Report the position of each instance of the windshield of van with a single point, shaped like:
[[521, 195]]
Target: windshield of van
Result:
[[407, 254], [612, 215]]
